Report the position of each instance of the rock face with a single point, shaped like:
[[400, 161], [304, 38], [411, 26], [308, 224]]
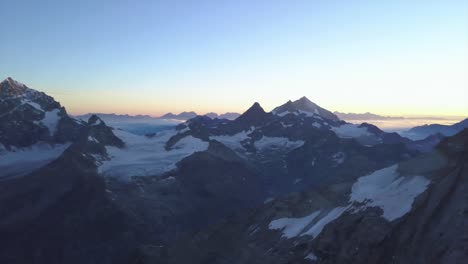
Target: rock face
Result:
[[28, 116], [254, 115]]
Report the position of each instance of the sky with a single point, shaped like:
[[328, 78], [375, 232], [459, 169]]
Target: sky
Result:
[[150, 57]]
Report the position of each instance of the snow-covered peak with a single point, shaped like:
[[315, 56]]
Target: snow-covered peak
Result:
[[304, 106]]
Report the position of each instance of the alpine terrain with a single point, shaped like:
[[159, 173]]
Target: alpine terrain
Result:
[[294, 185]]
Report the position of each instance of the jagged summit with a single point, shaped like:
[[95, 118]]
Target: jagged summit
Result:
[[304, 106], [28, 116], [11, 87]]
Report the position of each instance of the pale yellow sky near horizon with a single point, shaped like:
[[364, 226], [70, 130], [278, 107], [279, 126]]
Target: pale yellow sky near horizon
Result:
[[416, 88]]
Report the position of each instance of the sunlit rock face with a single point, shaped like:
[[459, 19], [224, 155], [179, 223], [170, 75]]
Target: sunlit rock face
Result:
[[28, 117]]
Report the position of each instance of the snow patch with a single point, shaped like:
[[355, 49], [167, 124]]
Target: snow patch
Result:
[[33, 104], [292, 227], [276, 142], [51, 120], [338, 157], [92, 139], [315, 230], [311, 256], [386, 189]]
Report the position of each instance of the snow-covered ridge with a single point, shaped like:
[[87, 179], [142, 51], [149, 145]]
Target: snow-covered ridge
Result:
[[145, 156], [384, 188]]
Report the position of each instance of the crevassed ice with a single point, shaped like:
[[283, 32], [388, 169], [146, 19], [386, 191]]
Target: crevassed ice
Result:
[[143, 156]]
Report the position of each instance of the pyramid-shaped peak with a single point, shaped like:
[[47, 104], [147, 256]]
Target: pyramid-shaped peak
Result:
[[256, 105], [304, 106], [255, 108], [253, 114]]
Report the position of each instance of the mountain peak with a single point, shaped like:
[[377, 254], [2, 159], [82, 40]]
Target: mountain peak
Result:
[[10, 87], [253, 114], [304, 106], [95, 120], [256, 108]]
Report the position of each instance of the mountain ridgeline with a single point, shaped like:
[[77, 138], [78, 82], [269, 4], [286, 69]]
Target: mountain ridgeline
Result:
[[294, 185]]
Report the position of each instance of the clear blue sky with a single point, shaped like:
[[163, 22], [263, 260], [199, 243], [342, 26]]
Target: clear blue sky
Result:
[[150, 57]]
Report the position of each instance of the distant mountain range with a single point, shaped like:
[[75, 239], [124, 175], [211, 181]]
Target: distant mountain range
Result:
[[364, 116], [139, 118], [189, 115], [116, 117], [424, 131]]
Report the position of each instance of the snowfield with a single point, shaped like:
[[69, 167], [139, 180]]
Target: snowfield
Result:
[[50, 119], [24, 160], [145, 156], [266, 143], [233, 142], [384, 188], [350, 131]]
